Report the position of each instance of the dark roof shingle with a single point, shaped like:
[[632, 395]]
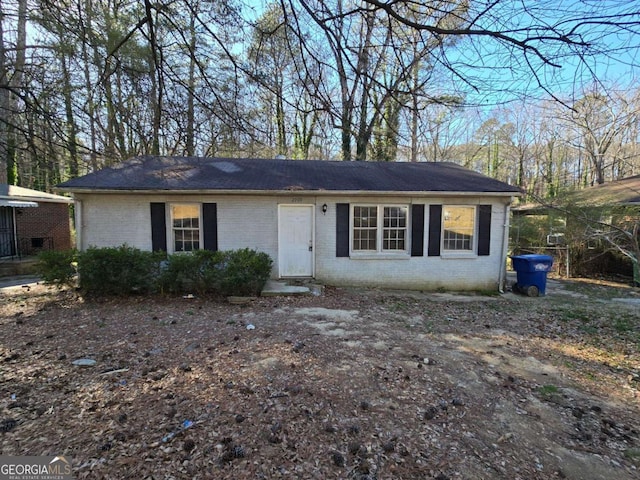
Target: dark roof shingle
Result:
[[158, 173], [625, 191]]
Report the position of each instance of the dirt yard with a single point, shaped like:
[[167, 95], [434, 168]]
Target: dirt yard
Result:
[[350, 384]]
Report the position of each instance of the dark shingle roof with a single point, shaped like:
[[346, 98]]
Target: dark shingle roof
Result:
[[623, 192], [233, 174], [619, 192]]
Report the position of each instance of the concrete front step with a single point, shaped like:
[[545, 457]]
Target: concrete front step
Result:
[[279, 287]]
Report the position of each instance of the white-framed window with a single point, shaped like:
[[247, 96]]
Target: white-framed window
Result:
[[365, 228], [185, 227], [379, 228], [458, 228]]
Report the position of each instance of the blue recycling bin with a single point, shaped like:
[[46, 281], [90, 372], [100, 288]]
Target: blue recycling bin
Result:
[[531, 272]]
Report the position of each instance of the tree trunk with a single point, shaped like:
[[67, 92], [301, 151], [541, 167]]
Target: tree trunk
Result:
[[87, 37], [15, 84], [4, 103], [71, 123], [345, 129], [597, 159], [112, 120], [415, 114], [635, 240], [157, 87], [363, 73], [191, 86], [281, 131], [303, 134], [362, 139]]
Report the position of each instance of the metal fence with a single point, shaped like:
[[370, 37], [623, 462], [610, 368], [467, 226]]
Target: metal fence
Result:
[[25, 247]]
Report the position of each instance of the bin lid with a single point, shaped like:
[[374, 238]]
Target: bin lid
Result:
[[533, 258]]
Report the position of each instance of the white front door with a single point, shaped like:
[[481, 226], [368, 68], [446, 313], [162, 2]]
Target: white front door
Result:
[[295, 240]]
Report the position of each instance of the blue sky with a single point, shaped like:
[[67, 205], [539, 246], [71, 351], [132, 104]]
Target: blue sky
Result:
[[501, 75], [612, 58]]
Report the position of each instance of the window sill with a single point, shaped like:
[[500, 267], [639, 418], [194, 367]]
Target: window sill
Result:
[[379, 256], [458, 255]]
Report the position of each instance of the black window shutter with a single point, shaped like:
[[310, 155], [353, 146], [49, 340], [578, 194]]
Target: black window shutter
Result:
[[484, 229], [158, 227], [210, 226], [435, 230], [417, 230], [342, 230]]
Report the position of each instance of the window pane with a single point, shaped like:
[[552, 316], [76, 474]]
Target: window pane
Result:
[[185, 216], [379, 228], [365, 221], [364, 239], [458, 228], [394, 228], [185, 220], [365, 217]]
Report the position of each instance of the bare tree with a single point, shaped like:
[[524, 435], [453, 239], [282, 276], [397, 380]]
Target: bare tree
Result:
[[4, 99], [608, 227], [368, 63], [599, 122], [526, 38], [350, 79], [11, 89]]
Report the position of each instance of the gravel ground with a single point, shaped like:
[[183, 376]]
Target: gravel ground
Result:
[[349, 384]]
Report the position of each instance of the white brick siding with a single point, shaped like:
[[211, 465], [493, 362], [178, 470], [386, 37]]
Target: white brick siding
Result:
[[111, 220], [451, 272], [252, 221]]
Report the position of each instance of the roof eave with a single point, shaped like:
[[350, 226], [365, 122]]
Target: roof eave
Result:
[[23, 198], [369, 193]]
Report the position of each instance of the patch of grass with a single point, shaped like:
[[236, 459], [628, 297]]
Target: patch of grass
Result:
[[569, 315], [488, 293], [594, 291], [429, 326], [589, 329], [623, 325], [548, 390], [502, 307], [632, 454], [398, 306]]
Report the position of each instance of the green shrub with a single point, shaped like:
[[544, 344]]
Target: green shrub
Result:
[[118, 270], [231, 272], [123, 270], [177, 274], [57, 267], [196, 272], [244, 272]]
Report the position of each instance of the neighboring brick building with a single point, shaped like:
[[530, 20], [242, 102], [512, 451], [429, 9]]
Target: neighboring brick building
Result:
[[32, 221]]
